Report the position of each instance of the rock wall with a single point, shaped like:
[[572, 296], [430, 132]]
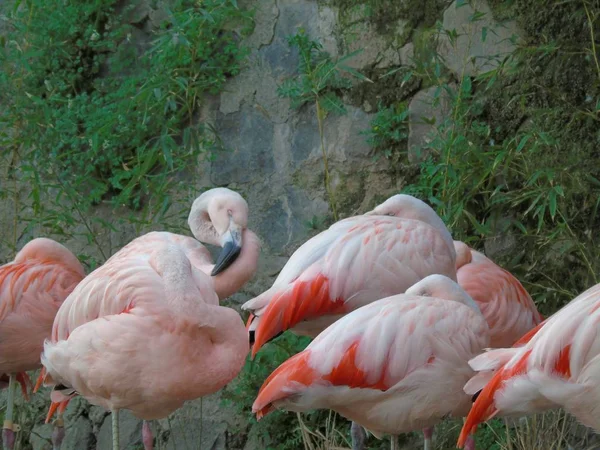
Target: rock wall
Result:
[[274, 161]]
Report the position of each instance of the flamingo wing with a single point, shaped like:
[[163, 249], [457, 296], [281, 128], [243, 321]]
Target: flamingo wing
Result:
[[504, 302], [126, 281], [553, 367], [352, 264], [387, 345]]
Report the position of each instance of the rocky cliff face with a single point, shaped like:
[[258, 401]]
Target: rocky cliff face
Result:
[[274, 161]]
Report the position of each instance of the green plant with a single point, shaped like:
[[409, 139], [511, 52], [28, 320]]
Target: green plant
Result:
[[490, 179], [388, 130], [318, 79], [96, 113]]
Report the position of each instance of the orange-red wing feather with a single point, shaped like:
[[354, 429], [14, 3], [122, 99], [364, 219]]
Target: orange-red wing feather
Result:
[[302, 300], [294, 370], [483, 409]]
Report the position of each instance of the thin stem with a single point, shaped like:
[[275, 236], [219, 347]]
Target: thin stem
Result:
[[13, 165], [592, 37], [10, 401], [325, 162], [115, 429]]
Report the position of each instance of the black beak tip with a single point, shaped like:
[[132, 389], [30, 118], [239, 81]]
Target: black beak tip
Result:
[[227, 256]]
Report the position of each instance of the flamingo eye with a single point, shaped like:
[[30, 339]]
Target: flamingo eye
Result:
[[390, 214]]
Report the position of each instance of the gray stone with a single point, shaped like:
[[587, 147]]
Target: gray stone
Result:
[[293, 15], [268, 100], [274, 225], [265, 19], [388, 58], [326, 25], [407, 54], [306, 135], [248, 136], [426, 105], [40, 437], [130, 432], [237, 90], [343, 140], [365, 39], [296, 14], [198, 424], [79, 435], [282, 147], [97, 414], [470, 54]]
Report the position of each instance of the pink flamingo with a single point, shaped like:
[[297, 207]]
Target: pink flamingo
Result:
[[157, 289], [396, 365], [218, 217], [355, 262], [504, 302], [32, 288], [556, 365]]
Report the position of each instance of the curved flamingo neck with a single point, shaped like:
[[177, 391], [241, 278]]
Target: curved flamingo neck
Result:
[[241, 270]]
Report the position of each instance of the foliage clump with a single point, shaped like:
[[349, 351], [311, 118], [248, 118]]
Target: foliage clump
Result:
[[101, 105]]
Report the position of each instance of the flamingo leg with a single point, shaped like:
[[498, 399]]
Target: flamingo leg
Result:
[[358, 436], [25, 382], [427, 434], [115, 429], [147, 437], [394, 443], [470, 443], [8, 428], [58, 433]]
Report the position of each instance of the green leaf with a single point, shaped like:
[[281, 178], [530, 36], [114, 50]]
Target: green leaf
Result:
[[484, 31], [330, 102], [552, 203], [522, 142], [466, 85]]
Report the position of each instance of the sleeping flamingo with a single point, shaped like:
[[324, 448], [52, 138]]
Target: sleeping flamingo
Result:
[[556, 365], [393, 366], [503, 301], [356, 261], [138, 282], [218, 217], [32, 288]]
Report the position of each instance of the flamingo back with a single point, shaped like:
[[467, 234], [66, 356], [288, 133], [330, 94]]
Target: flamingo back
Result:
[[354, 263], [395, 365]]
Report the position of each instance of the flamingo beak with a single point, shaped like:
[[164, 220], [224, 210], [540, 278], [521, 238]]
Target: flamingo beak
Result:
[[232, 246]]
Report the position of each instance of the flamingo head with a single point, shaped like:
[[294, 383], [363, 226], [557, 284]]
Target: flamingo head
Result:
[[219, 217], [440, 286]]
